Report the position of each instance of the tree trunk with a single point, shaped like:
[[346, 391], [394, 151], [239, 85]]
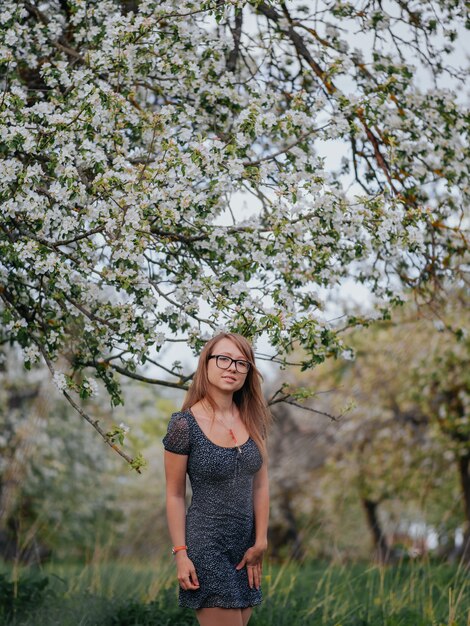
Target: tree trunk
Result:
[[464, 471], [36, 404], [292, 533], [283, 532], [23, 448], [381, 549]]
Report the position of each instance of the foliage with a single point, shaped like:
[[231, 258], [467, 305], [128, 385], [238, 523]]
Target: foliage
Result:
[[443, 389], [69, 496], [128, 129], [399, 444], [20, 600], [56, 484]]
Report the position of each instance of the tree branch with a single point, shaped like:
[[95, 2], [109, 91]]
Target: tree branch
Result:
[[236, 33], [152, 381]]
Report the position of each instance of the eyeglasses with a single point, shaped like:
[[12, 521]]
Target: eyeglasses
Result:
[[224, 362]]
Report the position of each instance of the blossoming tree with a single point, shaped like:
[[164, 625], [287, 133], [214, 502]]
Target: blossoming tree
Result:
[[129, 129]]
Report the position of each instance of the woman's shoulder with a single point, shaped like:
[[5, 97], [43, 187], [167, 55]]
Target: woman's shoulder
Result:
[[177, 438], [183, 415], [180, 419]]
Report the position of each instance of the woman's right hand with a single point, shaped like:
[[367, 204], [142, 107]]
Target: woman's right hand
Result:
[[187, 576]]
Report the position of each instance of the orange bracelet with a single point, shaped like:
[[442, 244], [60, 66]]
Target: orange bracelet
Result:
[[176, 549]]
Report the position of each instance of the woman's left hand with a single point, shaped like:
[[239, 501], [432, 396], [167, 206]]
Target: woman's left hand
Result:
[[253, 560]]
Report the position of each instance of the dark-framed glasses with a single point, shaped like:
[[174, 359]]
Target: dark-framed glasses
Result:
[[223, 362]]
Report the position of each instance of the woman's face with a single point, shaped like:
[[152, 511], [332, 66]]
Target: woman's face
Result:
[[226, 380]]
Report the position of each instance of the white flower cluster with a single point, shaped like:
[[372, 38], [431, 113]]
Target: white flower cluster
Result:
[[59, 380], [90, 386]]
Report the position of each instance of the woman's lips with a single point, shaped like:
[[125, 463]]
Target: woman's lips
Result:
[[230, 378]]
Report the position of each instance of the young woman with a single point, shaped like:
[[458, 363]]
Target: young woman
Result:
[[219, 440]]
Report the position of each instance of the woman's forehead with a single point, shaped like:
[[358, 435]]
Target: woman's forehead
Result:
[[228, 347]]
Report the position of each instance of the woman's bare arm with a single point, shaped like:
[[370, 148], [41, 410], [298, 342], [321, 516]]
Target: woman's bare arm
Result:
[[253, 557], [175, 471], [261, 505]]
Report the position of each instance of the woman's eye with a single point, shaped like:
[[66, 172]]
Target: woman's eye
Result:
[[224, 359]]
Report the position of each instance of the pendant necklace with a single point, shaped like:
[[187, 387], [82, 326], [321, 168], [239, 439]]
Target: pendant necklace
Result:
[[230, 430]]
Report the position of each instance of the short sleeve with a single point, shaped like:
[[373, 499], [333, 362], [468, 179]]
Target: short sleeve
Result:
[[177, 437]]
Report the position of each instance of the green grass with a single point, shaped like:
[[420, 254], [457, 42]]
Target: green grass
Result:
[[316, 594]]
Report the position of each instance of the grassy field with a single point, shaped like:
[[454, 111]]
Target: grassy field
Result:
[[316, 594]]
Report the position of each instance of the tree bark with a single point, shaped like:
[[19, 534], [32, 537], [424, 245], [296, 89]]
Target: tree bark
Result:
[[35, 403], [292, 531], [381, 548], [23, 449], [464, 472]]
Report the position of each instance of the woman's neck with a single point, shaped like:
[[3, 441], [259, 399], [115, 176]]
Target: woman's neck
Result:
[[223, 402]]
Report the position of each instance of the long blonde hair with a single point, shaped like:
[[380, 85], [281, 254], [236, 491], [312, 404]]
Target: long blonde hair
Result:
[[250, 401]]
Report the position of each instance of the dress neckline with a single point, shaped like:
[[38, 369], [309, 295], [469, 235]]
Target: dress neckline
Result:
[[188, 410]]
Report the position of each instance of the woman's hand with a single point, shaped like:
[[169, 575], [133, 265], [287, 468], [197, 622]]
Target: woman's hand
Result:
[[187, 576], [253, 560]]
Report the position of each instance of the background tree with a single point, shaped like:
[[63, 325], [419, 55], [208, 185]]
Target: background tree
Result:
[[298, 449], [61, 497], [442, 384], [407, 380], [57, 494], [128, 129]]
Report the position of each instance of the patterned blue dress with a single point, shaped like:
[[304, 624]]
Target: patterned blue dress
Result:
[[220, 520]]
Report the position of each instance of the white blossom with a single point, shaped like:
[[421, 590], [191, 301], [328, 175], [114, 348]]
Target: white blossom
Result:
[[59, 380]]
